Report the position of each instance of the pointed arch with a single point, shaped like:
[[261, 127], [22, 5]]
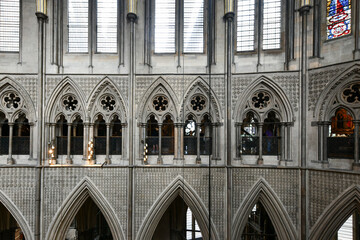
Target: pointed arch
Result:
[[323, 105], [281, 220], [178, 187], [16, 213], [336, 214], [106, 85], [269, 85], [160, 86], [67, 85], [66, 213], [28, 106], [200, 86]]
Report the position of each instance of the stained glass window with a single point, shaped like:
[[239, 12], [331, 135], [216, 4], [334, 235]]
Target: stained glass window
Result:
[[338, 18]]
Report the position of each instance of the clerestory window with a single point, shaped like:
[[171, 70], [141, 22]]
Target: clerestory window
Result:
[[9, 25], [179, 26], [338, 18], [258, 25], [92, 21]]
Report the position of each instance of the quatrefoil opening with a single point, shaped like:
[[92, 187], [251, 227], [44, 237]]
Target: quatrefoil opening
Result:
[[108, 103], [160, 103], [198, 103], [12, 100], [70, 103]]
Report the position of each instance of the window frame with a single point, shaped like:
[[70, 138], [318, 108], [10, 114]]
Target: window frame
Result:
[[179, 29], [92, 29], [258, 29], [20, 34]]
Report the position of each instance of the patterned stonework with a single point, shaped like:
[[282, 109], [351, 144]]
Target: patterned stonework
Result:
[[19, 185], [324, 188], [59, 182], [283, 181], [150, 183]]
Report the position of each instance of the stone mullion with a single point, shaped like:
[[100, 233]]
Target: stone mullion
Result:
[[142, 139], [10, 159], [31, 150], [107, 159], [282, 140], [320, 141], [124, 130], [356, 142], [86, 140], [260, 159], [198, 158], [159, 161], [68, 158], [238, 140], [325, 145]]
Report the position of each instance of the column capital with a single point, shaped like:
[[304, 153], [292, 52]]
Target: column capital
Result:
[[229, 16], [304, 10], [11, 124], [179, 125], [132, 17]]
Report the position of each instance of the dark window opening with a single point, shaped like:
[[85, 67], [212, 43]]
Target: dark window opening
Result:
[[167, 136], [152, 136], [249, 135], [21, 137], [4, 135]]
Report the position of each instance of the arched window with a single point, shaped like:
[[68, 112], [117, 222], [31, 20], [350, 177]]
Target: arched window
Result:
[[205, 136], [271, 135], [10, 25], [190, 136], [115, 136], [338, 18], [167, 135], [340, 142], [258, 19], [61, 135], [21, 138], [350, 228], [9, 228], [4, 135], [152, 136], [100, 136], [77, 136], [249, 135]]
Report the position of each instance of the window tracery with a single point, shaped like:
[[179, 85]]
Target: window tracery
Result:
[[160, 103], [11, 100], [351, 94], [108, 103], [261, 100], [70, 103], [198, 103]]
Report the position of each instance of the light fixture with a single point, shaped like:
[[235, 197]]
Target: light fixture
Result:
[[52, 149]]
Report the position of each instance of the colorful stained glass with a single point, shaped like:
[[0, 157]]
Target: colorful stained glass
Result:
[[338, 18]]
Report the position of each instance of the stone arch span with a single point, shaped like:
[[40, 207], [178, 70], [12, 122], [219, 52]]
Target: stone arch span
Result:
[[336, 214], [16, 213], [178, 187], [66, 213], [262, 192]]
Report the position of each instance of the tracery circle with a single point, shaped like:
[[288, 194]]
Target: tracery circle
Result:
[[160, 103], [261, 100], [198, 103], [108, 103], [70, 103], [351, 94], [11, 100]]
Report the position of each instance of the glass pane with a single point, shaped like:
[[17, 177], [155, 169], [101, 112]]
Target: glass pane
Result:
[[164, 26], [245, 25], [106, 38], [193, 26], [78, 26], [346, 230], [9, 25], [272, 24], [338, 16]]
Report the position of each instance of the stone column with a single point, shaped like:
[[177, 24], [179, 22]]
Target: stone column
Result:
[[260, 159], [178, 143], [124, 148], [31, 150], [320, 141], [326, 135], [356, 165], [86, 140], [107, 158], [282, 140], [68, 158], [288, 145], [10, 159], [159, 161], [198, 159], [142, 129], [214, 143], [238, 140], [182, 142]]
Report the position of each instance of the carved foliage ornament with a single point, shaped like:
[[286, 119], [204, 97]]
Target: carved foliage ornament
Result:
[[70, 103], [198, 103], [108, 103], [351, 94], [11, 100], [261, 100], [160, 103]]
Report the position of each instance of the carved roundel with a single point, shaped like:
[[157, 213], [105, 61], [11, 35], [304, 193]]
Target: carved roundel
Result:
[[198, 103], [160, 103], [11, 100], [108, 103], [261, 100], [70, 103], [351, 94]]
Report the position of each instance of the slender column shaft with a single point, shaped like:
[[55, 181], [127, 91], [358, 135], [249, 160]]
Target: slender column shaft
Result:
[[357, 29], [320, 141], [159, 161], [260, 159], [325, 137], [10, 159], [31, 150], [356, 141], [288, 145], [176, 143], [86, 140], [198, 159], [214, 141], [107, 159], [181, 143], [68, 158], [282, 140]]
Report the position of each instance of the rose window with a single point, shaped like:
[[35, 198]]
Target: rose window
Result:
[[108, 103], [198, 103], [160, 103], [11, 100], [261, 100], [70, 103], [352, 93]]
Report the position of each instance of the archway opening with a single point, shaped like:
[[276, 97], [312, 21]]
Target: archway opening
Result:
[[9, 228], [152, 135], [350, 229], [61, 135], [21, 138], [77, 136], [259, 225], [115, 136], [271, 135], [100, 135], [167, 136], [4, 134], [89, 224], [177, 223], [249, 135]]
